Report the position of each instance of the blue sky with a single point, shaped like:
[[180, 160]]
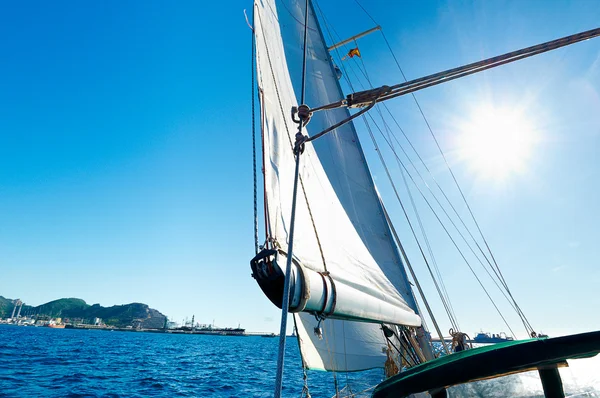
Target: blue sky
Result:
[[125, 153]]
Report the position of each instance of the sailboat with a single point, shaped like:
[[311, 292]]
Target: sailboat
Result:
[[331, 255]]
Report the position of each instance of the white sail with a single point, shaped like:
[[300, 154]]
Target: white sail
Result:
[[340, 152], [340, 227]]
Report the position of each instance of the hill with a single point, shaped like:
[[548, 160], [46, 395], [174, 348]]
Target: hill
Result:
[[134, 314]]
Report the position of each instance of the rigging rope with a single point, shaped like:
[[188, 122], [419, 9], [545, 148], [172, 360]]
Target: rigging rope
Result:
[[345, 75], [451, 315], [449, 235], [410, 225], [521, 53], [305, 391], [390, 133], [403, 167], [437, 185], [390, 342], [331, 364], [268, 237], [446, 299], [256, 245], [447, 306]]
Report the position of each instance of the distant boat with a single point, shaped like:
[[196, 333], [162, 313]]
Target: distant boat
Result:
[[55, 326], [487, 338], [268, 335]]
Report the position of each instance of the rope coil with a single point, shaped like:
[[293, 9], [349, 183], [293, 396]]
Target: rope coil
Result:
[[460, 341]]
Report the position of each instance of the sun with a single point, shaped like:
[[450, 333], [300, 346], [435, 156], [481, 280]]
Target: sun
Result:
[[497, 143]]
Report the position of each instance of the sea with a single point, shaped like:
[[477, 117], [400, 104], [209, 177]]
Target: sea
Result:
[[45, 362]]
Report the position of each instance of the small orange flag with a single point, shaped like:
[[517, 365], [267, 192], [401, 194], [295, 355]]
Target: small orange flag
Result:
[[354, 52]]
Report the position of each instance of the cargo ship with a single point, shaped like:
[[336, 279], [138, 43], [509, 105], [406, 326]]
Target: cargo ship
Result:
[[210, 330], [489, 338]]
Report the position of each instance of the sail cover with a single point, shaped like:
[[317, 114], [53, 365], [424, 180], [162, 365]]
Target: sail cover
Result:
[[340, 226]]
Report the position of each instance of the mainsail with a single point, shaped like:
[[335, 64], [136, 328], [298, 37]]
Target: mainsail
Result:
[[341, 230]]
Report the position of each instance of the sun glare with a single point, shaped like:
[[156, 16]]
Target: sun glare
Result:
[[496, 143]]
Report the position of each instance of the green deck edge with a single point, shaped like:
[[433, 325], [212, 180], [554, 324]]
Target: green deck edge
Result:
[[489, 361]]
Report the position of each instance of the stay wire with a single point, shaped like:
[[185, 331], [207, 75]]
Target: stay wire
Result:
[[350, 84], [444, 297], [407, 219], [365, 74], [455, 245], [527, 325], [428, 126], [443, 293], [510, 300], [403, 167], [467, 229], [366, 77]]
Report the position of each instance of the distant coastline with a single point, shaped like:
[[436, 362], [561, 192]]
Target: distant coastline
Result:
[[75, 313]]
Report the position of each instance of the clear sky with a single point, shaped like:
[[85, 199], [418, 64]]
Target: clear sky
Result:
[[126, 168]]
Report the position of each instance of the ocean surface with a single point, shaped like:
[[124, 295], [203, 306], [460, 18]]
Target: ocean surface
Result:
[[44, 362]]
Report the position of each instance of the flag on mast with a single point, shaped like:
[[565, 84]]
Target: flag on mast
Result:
[[352, 53]]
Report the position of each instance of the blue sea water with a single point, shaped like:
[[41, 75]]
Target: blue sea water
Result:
[[36, 362]]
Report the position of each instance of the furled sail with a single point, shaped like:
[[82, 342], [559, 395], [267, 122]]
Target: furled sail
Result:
[[340, 226]]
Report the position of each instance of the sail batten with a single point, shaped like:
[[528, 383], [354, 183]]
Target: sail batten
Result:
[[340, 230]]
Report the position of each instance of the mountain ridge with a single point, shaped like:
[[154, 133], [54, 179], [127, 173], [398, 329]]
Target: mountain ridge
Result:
[[133, 314]]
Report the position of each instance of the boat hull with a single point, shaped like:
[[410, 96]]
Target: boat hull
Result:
[[489, 362]]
